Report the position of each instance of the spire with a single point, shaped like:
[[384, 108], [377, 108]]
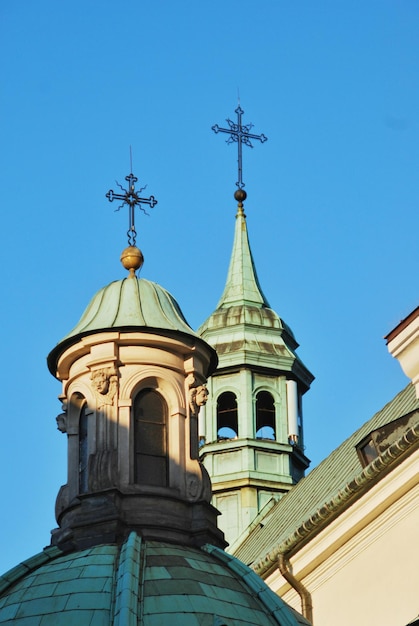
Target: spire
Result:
[[242, 285], [251, 430]]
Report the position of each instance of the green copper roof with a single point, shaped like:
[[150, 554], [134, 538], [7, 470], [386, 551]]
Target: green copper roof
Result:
[[132, 302], [329, 488], [128, 304], [243, 301], [242, 286], [148, 583], [244, 329]]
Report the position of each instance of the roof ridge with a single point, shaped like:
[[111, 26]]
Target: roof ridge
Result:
[[29, 565], [277, 607], [128, 583]]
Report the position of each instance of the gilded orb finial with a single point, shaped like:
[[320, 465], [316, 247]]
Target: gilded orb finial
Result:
[[132, 259]]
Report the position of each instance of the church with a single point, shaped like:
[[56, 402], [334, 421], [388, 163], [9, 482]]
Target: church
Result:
[[137, 540], [348, 528], [186, 499]]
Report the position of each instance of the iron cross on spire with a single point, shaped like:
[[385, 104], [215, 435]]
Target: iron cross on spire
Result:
[[132, 198], [241, 134]]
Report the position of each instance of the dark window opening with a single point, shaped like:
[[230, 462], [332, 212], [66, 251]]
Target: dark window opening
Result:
[[227, 419], [265, 416], [377, 441], [83, 451], [367, 452], [150, 439]]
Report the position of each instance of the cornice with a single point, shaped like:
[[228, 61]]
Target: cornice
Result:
[[360, 484]]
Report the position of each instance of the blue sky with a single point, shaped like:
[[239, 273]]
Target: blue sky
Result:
[[332, 195]]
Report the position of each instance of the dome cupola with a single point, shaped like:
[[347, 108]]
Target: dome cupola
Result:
[[133, 377], [137, 539]]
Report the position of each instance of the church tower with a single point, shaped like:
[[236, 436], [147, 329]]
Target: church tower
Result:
[[251, 429], [137, 541]]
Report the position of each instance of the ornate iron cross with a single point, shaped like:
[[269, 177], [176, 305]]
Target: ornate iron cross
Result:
[[132, 198], [239, 133]]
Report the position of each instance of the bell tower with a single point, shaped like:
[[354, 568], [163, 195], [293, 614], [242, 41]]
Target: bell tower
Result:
[[251, 429]]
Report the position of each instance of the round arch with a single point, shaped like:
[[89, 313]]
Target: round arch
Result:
[[227, 415], [160, 380], [78, 395], [265, 414]]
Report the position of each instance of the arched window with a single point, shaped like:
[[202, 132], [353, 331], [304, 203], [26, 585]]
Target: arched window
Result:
[[227, 419], [83, 450], [265, 416], [150, 439]]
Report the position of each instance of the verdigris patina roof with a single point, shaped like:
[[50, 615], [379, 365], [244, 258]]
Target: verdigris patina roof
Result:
[[141, 582], [131, 303], [330, 488], [243, 329]]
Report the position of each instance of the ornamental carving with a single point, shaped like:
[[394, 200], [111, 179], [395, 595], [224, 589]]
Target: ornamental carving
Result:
[[103, 470], [105, 385], [198, 395], [61, 420], [193, 487]]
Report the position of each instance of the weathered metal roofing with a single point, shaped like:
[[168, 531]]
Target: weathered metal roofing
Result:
[[129, 304], [132, 302], [327, 490], [142, 582], [242, 285], [244, 329]]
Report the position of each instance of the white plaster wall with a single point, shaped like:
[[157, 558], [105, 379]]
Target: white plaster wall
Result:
[[363, 569], [374, 581]]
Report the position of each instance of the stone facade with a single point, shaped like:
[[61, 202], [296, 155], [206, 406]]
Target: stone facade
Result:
[[113, 487]]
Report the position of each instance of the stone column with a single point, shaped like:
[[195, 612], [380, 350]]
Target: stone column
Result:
[[292, 410]]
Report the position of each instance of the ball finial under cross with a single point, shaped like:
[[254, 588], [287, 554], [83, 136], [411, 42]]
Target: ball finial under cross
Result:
[[132, 259], [240, 195]]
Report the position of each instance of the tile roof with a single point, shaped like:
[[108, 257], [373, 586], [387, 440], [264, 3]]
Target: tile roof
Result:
[[63, 587], [142, 582], [324, 486]]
